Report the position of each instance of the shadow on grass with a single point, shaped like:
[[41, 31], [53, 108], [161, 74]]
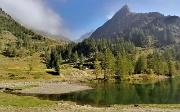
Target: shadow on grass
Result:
[[52, 73]]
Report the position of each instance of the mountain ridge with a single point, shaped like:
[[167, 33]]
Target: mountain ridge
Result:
[[59, 38], [85, 36], [153, 24]]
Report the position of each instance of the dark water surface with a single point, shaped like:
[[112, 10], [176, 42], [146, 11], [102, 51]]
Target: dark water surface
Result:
[[104, 94]]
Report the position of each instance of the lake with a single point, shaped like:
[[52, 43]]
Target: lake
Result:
[[105, 94]]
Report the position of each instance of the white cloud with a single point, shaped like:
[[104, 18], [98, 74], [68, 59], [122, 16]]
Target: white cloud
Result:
[[36, 14]]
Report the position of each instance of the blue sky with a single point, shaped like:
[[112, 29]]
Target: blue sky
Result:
[[76, 17], [81, 16]]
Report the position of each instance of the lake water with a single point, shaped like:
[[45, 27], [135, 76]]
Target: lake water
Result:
[[105, 94]]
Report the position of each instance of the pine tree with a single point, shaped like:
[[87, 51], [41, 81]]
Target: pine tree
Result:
[[157, 63], [75, 57], [150, 61], [108, 64], [123, 65], [120, 70], [69, 53], [172, 68], [98, 69], [47, 58], [81, 59], [60, 59], [141, 65], [99, 56], [57, 67]]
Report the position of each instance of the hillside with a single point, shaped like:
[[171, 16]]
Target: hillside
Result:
[[58, 38], [21, 50], [143, 29]]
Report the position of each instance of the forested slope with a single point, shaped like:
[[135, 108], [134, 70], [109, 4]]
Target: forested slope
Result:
[[21, 50]]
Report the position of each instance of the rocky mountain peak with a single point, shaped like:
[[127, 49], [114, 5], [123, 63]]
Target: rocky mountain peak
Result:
[[124, 10], [153, 24]]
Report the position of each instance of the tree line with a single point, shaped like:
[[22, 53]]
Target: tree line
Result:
[[116, 58]]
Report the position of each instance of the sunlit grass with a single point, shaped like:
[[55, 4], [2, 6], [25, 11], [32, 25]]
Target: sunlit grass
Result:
[[19, 101], [163, 106]]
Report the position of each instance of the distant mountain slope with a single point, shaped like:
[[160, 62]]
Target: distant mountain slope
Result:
[[15, 38], [59, 38], [85, 36], [143, 29]]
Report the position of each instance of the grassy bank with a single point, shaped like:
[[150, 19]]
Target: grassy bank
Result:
[[19, 101]]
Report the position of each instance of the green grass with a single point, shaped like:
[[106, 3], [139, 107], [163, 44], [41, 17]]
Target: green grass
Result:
[[18, 68], [67, 68], [30, 101], [25, 101], [163, 106]]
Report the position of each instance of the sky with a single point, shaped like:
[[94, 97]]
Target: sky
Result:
[[73, 18]]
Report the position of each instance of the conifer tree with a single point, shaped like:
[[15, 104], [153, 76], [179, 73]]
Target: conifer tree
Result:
[[60, 59], [69, 53], [75, 57], [53, 57], [57, 67], [98, 69], [120, 67], [123, 65], [141, 65], [108, 64], [81, 59], [172, 68], [47, 57]]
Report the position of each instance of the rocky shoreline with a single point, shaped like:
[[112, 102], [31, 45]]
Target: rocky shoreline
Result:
[[52, 87], [71, 107]]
